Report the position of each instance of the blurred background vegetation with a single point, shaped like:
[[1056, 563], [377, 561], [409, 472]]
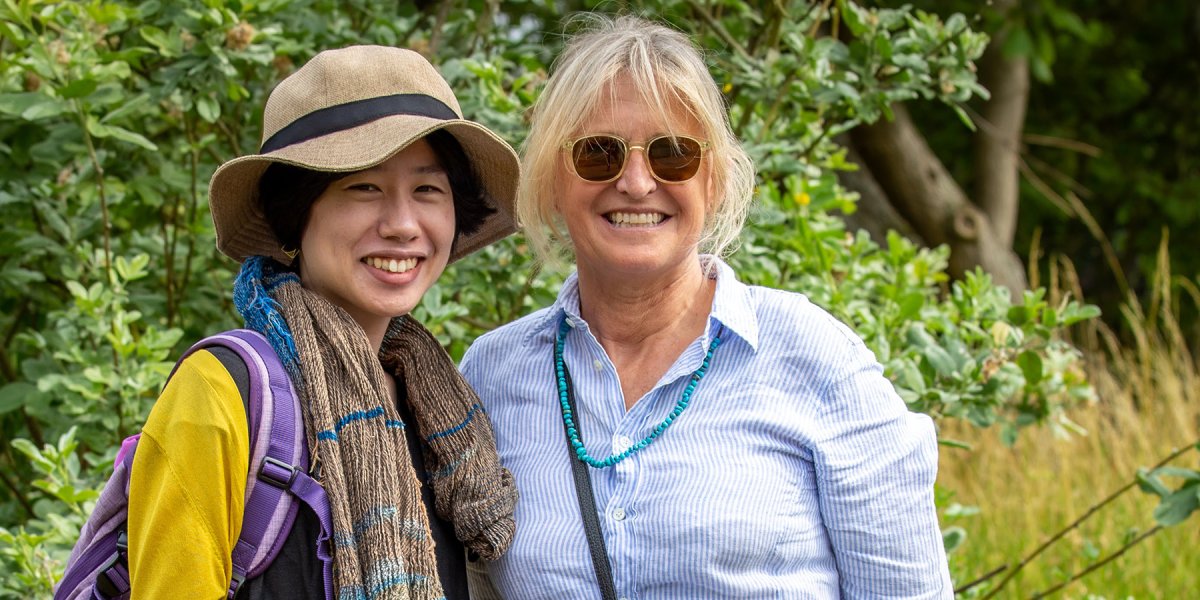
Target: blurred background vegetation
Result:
[[997, 196]]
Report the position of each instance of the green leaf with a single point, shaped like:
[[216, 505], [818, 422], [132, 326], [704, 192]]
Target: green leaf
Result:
[[1075, 313], [1182, 473], [940, 360], [15, 395], [52, 107], [963, 116], [158, 38], [17, 104], [1178, 506], [127, 107], [1018, 315], [78, 88], [1031, 366], [910, 305], [77, 290], [1150, 483], [209, 109], [953, 537], [954, 443], [101, 130], [852, 16]]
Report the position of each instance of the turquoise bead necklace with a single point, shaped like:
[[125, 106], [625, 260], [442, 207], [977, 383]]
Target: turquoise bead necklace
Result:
[[581, 452]]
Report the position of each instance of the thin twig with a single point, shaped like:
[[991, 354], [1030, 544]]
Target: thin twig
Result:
[[1064, 143], [1041, 186], [982, 578], [816, 26], [773, 112], [719, 29], [106, 221], [6, 365], [1110, 254], [1054, 172], [16, 492], [1098, 564], [813, 145]]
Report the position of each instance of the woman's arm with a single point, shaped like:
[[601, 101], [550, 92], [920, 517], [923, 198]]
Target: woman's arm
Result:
[[876, 463], [187, 488]]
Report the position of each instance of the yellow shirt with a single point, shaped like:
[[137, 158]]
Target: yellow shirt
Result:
[[188, 485]]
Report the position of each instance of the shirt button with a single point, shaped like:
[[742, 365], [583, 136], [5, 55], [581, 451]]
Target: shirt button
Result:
[[599, 366], [618, 513], [571, 322], [621, 444]]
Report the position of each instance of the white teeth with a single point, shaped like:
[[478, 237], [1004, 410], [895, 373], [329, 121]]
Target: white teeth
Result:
[[624, 219], [391, 265]]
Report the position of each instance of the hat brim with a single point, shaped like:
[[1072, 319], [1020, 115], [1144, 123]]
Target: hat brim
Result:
[[242, 230]]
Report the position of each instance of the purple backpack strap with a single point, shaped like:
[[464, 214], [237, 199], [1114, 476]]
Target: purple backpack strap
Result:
[[278, 474]]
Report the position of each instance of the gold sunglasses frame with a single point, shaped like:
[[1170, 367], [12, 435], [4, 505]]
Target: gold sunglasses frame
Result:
[[569, 145]]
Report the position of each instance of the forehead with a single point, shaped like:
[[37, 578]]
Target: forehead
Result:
[[418, 157], [626, 108]]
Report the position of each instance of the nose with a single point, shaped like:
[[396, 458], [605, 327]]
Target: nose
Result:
[[636, 181], [398, 219]]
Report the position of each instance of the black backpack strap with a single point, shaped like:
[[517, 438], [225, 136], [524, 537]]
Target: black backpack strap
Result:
[[237, 370]]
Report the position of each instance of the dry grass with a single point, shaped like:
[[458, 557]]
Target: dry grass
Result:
[[1147, 407]]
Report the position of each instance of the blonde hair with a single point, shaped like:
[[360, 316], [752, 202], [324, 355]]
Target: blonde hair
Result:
[[669, 71]]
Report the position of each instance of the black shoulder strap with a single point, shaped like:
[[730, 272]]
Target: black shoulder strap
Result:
[[587, 506], [237, 370]]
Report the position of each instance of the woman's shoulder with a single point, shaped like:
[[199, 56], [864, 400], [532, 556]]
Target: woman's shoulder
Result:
[[201, 391], [793, 314], [799, 333]]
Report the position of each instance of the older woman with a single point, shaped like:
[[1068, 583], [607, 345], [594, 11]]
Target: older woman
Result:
[[726, 440], [368, 183]]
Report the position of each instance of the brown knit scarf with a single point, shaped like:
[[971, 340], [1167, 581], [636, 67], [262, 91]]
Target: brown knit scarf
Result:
[[382, 543]]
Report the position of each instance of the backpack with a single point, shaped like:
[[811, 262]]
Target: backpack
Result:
[[277, 478]]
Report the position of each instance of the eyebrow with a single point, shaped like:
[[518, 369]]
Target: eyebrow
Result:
[[434, 169]]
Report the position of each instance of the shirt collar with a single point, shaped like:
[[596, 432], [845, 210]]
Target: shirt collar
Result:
[[732, 306]]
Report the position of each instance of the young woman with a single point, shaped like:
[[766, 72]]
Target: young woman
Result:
[[740, 442], [368, 183]]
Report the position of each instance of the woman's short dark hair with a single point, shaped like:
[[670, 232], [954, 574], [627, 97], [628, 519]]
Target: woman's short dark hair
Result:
[[286, 193]]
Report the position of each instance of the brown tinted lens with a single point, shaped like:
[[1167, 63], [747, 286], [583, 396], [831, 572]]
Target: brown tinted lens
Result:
[[674, 158], [598, 158]]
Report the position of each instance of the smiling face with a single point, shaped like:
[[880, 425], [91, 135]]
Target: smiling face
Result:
[[376, 240], [635, 228]]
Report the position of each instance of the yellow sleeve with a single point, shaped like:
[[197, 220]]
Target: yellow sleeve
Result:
[[188, 485]]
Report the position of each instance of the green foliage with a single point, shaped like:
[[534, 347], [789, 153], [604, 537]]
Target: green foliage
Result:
[[114, 114], [35, 553]]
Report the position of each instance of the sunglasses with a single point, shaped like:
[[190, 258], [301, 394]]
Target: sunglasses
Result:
[[602, 158]]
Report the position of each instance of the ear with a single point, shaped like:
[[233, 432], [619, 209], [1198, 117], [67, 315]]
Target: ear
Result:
[[714, 197]]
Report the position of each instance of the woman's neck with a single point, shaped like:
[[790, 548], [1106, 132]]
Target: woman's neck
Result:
[[629, 312]]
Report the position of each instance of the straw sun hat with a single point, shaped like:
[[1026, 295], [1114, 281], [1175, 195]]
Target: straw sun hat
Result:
[[348, 110]]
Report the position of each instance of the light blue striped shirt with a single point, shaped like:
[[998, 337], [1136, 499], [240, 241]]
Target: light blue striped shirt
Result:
[[795, 472]]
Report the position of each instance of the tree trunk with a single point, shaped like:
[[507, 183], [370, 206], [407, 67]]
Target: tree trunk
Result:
[[875, 213], [997, 141], [923, 192]]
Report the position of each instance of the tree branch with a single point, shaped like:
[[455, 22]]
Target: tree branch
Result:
[[923, 192], [997, 145]]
